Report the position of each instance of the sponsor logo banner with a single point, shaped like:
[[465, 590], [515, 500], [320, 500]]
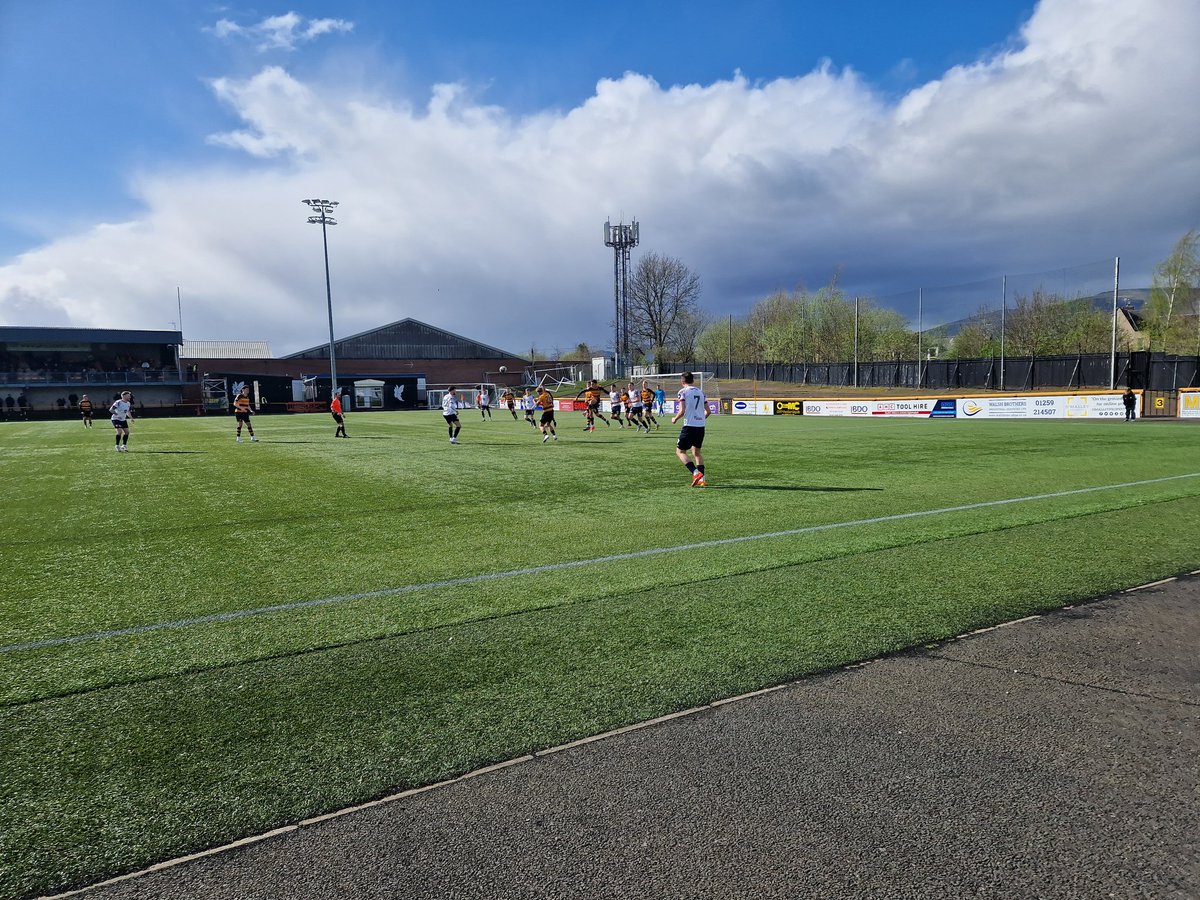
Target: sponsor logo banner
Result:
[[1029, 406], [1189, 404], [751, 407], [885, 408], [1043, 406], [788, 408]]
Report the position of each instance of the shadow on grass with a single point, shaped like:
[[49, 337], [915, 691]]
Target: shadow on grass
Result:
[[172, 451], [788, 487]]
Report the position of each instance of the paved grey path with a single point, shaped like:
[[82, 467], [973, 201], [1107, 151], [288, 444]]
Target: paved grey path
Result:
[[1058, 757]]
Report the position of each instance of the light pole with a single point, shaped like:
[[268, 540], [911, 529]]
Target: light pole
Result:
[[324, 208], [621, 238]]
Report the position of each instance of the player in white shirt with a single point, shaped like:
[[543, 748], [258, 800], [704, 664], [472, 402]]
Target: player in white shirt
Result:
[[485, 404], [122, 412], [633, 412], [450, 414], [529, 404], [693, 409]]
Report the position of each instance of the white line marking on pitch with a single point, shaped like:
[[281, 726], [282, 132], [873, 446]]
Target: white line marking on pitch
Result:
[[557, 567], [537, 755]]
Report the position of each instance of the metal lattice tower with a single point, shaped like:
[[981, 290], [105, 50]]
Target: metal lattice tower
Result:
[[622, 238]]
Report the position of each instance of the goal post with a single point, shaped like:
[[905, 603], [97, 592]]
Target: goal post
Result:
[[669, 382]]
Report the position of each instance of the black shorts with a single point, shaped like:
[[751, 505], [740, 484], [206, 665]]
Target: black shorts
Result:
[[691, 437], [616, 409], [243, 417], [450, 420], [86, 413], [635, 411], [547, 417], [117, 423], [337, 417]]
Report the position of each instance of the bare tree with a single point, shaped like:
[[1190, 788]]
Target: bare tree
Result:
[[664, 297]]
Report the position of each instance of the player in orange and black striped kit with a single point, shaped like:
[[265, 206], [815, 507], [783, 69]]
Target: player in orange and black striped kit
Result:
[[593, 392], [648, 406], [241, 412], [546, 401]]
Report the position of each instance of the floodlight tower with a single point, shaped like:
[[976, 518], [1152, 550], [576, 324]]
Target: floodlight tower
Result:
[[323, 217], [622, 238]]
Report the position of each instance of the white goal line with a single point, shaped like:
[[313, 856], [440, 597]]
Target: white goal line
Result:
[[233, 615]]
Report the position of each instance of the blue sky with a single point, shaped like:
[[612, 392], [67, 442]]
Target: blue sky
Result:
[[759, 142]]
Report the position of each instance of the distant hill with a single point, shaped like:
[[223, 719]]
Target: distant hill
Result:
[[1131, 299]]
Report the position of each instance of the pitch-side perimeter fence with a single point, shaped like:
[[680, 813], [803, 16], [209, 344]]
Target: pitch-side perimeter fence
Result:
[[1139, 370]]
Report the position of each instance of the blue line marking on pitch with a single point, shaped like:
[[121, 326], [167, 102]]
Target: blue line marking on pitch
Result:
[[556, 567]]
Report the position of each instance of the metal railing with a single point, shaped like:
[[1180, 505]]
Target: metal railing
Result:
[[32, 377]]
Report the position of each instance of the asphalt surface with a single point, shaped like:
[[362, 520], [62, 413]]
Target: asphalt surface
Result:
[[1057, 757]]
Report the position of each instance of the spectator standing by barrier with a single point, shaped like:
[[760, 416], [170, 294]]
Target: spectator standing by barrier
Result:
[[1130, 401]]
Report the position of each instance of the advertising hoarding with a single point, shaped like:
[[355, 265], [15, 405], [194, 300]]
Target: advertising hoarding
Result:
[[1189, 403], [920, 406], [1043, 406], [753, 407], [1106, 405]]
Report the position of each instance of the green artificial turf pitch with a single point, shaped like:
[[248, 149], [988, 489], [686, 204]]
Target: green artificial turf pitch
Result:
[[119, 751]]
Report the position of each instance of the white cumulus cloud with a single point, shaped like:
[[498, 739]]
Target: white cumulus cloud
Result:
[[1075, 143], [282, 32]]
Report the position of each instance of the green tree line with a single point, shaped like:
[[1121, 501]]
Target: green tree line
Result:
[[668, 324]]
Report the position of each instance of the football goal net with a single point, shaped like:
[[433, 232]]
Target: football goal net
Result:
[[669, 383]]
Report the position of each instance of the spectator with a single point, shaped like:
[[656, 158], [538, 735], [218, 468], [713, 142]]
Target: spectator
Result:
[[1130, 401]]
